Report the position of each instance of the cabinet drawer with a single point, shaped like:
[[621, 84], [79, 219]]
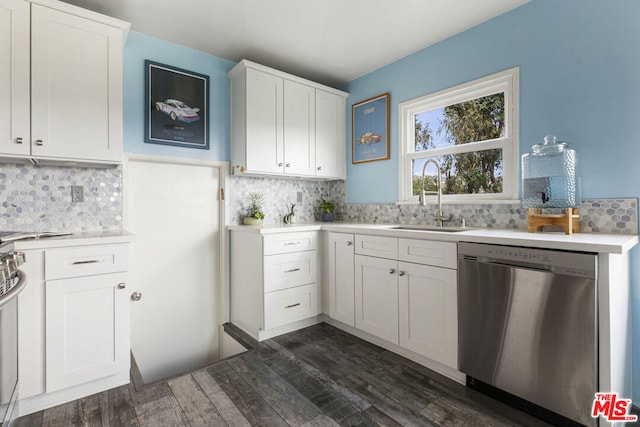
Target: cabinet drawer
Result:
[[438, 254], [85, 261], [290, 305], [382, 247], [289, 242], [287, 270]]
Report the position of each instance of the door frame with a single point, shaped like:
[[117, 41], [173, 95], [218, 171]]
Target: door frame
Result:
[[223, 174]]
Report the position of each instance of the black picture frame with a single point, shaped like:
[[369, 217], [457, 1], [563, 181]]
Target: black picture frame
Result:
[[176, 106]]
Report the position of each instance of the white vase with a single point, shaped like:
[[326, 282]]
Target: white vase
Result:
[[249, 220]]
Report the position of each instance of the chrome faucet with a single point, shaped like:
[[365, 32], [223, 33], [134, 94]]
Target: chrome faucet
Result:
[[440, 218]]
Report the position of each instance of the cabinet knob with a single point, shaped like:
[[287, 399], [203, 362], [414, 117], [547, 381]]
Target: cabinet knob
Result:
[[392, 271], [136, 296], [280, 164], [401, 273], [121, 286], [349, 243], [288, 165], [319, 168], [39, 142], [19, 140]]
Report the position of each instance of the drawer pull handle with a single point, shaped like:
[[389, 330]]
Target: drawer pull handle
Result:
[[292, 271], [292, 305], [91, 261], [292, 243]]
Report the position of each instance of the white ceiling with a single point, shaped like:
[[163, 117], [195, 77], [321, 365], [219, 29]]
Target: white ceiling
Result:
[[329, 41]]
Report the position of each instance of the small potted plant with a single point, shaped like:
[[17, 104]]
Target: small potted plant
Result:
[[328, 210], [255, 216]]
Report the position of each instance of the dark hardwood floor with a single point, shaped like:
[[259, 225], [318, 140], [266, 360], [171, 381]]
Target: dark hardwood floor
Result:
[[319, 376]]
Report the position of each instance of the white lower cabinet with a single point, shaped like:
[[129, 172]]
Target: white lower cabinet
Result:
[[73, 323], [340, 277], [273, 281], [403, 291], [428, 315], [87, 329], [376, 301]]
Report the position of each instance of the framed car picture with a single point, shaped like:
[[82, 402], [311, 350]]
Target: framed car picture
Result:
[[177, 106], [370, 130]]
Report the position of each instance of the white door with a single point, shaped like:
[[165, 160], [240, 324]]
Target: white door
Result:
[[377, 297], [299, 129], [429, 312], [341, 278], [14, 77], [174, 211], [87, 333]]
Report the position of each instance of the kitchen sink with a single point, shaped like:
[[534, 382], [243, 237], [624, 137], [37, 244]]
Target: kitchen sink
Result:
[[431, 228]]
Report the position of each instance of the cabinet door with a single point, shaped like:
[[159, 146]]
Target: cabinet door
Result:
[[76, 87], [428, 312], [299, 129], [87, 334], [264, 140], [14, 77], [330, 135], [341, 278], [376, 283]]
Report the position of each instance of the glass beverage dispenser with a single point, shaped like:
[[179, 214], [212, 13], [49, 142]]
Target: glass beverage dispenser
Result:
[[549, 181], [549, 175]]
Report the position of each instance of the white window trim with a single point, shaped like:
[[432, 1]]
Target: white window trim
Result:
[[505, 81]]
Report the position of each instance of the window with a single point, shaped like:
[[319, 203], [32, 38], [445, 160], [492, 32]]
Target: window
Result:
[[471, 130]]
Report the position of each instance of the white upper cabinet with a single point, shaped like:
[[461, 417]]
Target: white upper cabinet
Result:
[[331, 128], [284, 125], [14, 77], [263, 113], [299, 129], [75, 73]]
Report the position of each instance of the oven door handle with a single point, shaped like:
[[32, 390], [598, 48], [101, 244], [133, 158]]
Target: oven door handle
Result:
[[22, 282]]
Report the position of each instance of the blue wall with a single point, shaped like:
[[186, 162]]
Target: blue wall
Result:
[[579, 79], [140, 47]]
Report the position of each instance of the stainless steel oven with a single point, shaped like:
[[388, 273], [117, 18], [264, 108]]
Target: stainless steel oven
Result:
[[12, 281]]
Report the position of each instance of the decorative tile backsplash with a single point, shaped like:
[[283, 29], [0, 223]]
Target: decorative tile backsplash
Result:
[[279, 194], [39, 198], [614, 216]]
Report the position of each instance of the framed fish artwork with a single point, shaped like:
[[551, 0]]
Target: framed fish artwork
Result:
[[370, 130]]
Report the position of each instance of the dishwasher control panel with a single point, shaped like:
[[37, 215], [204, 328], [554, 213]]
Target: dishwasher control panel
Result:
[[561, 262]]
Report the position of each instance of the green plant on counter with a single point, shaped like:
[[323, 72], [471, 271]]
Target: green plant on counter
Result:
[[326, 206], [255, 205], [288, 218], [327, 210]]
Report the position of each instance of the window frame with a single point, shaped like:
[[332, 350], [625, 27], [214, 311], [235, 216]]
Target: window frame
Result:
[[506, 81]]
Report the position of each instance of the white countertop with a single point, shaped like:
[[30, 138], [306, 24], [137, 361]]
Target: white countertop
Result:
[[82, 238], [586, 242]]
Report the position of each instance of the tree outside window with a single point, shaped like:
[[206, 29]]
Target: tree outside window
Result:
[[471, 131]]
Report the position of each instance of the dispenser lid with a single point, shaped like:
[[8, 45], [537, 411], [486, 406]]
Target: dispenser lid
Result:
[[550, 145]]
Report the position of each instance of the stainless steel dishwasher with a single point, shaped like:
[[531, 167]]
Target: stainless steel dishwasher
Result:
[[527, 323]]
